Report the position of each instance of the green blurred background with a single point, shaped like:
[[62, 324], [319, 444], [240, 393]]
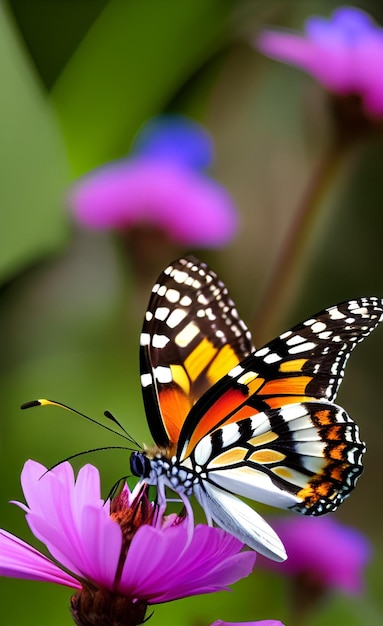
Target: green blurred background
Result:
[[78, 80]]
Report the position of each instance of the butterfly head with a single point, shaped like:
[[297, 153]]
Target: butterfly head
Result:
[[140, 465]]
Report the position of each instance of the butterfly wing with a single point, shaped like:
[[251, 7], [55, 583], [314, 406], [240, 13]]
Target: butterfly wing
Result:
[[191, 337], [305, 456], [304, 364], [238, 519]]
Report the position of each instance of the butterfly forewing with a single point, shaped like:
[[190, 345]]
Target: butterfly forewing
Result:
[[191, 337], [304, 364]]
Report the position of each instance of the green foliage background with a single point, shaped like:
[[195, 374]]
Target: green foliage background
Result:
[[78, 80]]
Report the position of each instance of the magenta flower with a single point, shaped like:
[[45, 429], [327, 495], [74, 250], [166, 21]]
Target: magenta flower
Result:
[[160, 185], [266, 622], [325, 552], [114, 554], [344, 53]]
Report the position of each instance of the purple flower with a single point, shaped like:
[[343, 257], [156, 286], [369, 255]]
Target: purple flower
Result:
[[161, 185], [344, 53], [266, 622], [324, 551], [115, 553]]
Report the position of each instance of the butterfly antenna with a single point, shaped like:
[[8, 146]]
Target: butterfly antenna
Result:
[[45, 402], [111, 417], [75, 456], [114, 489]]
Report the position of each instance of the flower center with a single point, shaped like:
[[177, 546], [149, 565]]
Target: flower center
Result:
[[130, 516], [99, 607]]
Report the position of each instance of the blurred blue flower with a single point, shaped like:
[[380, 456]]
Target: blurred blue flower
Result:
[[162, 185], [344, 53]]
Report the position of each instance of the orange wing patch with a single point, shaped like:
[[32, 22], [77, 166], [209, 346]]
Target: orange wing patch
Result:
[[295, 385], [295, 365], [278, 401], [174, 405], [223, 407]]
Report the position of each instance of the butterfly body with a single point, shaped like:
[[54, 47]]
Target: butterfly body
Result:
[[228, 420]]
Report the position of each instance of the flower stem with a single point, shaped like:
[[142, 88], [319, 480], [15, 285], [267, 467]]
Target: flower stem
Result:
[[289, 266]]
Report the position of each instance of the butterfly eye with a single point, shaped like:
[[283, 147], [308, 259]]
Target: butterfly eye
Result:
[[140, 465]]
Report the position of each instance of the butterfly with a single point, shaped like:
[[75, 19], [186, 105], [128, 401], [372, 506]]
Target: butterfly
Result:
[[229, 420]]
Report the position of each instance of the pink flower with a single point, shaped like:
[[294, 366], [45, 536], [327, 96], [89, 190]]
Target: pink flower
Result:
[[344, 53], [160, 185], [114, 550], [266, 622], [324, 551]]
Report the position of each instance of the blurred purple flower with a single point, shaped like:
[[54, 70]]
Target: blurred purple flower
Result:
[[116, 553], [160, 184], [344, 53], [266, 622], [328, 553]]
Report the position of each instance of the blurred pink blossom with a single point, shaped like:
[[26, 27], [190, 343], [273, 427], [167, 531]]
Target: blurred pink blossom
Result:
[[344, 53], [266, 622], [323, 549], [161, 184]]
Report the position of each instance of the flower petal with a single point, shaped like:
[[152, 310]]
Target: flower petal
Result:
[[162, 566], [266, 622], [191, 208], [332, 553], [19, 560], [344, 53], [71, 519]]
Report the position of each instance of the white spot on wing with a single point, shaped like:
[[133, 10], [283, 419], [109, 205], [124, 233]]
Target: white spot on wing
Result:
[[179, 277], [172, 295], [144, 339], [335, 314], [302, 347], [203, 451], [263, 351], [163, 374], [186, 335], [317, 327], [186, 301], [236, 371], [230, 434], [272, 358], [160, 341], [176, 317], [146, 380], [294, 340], [161, 313]]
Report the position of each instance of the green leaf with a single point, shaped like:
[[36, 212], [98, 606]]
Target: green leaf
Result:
[[33, 169], [134, 59]]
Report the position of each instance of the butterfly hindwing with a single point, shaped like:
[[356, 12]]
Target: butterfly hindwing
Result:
[[191, 337], [305, 456]]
